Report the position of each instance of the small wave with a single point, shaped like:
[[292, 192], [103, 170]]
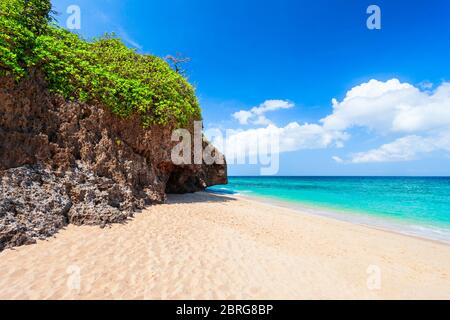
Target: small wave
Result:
[[221, 191], [430, 232]]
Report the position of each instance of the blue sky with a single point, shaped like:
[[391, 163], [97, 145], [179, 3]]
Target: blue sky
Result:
[[306, 53]]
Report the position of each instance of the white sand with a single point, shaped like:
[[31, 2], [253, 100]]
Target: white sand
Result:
[[212, 247]]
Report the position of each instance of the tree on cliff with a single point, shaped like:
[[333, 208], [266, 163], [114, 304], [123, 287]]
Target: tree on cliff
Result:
[[177, 62], [103, 71]]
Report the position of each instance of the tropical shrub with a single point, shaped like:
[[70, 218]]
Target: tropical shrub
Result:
[[103, 71]]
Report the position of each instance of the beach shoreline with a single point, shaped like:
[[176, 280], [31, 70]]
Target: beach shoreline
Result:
[[208, 246], [359, 218]]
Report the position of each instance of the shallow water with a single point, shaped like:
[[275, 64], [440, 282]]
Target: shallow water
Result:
[[412, 205]]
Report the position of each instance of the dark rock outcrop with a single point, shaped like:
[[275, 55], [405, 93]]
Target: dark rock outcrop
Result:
[[65, 162]]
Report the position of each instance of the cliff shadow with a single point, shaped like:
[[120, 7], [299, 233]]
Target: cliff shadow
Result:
[[198, 197]]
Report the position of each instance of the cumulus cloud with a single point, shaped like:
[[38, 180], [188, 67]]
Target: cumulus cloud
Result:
[[402, 149], [418, 118], [273, 139], [242, 116], [256, 115], [407, 148], [391, 106]]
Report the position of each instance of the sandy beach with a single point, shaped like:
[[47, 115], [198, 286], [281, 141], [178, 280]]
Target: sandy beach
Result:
[[205, 246]]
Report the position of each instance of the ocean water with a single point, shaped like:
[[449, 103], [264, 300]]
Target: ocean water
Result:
[[417, 206]]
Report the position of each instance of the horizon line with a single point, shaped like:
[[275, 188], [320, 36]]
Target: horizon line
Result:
[[340, 176]]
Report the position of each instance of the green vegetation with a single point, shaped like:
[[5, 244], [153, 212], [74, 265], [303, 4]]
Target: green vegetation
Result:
[[103, 71]]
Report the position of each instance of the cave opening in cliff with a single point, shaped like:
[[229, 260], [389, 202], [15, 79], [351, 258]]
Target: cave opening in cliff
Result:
[[181, 180]]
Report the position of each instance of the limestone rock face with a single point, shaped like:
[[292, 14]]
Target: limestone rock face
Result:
[[64, 162]]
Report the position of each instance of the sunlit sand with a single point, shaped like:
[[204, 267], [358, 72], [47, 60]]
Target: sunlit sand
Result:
[[205, 246]]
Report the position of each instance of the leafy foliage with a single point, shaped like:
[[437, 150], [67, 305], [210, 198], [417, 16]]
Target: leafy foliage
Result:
[[103, 71]]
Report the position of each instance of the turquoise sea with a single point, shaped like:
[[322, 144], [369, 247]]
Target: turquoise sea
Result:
[[412, 205]]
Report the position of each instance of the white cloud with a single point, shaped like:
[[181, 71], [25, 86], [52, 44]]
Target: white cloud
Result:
[[272, 105], [256, 114], [242, 116], [391, 106], [419, 118], [404, 149], [292, 137], [337, 159]]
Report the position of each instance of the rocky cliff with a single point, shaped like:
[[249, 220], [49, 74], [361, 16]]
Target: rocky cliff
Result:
[[65, 162]]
